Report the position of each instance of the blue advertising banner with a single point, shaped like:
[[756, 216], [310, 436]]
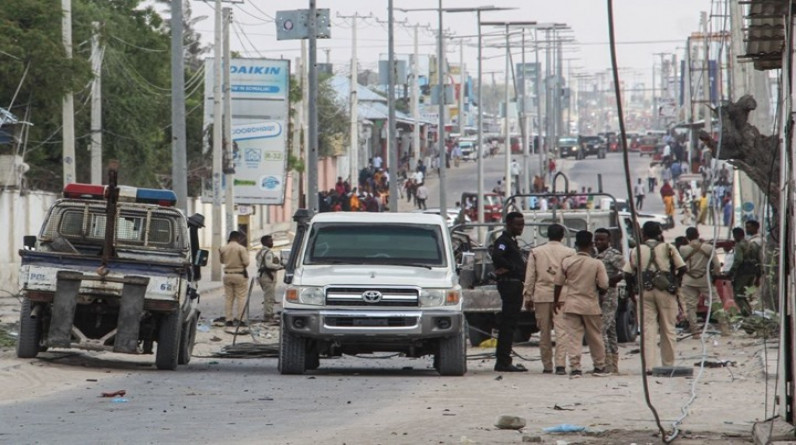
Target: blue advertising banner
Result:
[[260, 111]]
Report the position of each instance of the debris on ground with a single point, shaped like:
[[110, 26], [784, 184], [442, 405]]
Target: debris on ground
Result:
[[249, 350], [564, 428], [119, 393], [717, 363], [510, 423], [760, 326]]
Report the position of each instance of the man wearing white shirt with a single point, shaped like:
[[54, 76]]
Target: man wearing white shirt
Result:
[[377, 161]]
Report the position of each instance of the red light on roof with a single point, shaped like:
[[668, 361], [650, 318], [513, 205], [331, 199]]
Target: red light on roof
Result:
[[84, 191]]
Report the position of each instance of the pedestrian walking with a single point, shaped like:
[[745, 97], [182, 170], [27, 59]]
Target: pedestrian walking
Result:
[[544, 264], [614, 264], [638, 192], [510, 272], [267, 266], [421, 194], [658, 289], [701, 269], [745, 270], [667, 195], [235, 258], [586, 282]]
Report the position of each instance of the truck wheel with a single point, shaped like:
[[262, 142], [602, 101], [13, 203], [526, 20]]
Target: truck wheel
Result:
[[522, 333], [187, 341], [29, 332], [451, 358], [292, 353], [312, 360], [169, 335], [626, 325], [478, 329]]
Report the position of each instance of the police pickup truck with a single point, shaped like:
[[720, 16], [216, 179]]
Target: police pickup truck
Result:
[[113, 269], [371, 282]]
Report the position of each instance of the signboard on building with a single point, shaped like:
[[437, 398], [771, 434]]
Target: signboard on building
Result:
[[260, 111]]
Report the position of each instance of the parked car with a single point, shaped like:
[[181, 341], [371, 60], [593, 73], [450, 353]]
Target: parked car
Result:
[[493, 206]]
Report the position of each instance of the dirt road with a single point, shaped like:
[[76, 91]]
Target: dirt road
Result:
[[56, 398]]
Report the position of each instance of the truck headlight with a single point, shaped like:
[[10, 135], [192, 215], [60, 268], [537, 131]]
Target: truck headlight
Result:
[[440, 297], [305, 295]]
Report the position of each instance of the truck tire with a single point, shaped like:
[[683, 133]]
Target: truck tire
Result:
[[169, 334], [522, 333], [29, 332], [479, 328], [292, 353], [451, 357], [187, 341], [626, 324]]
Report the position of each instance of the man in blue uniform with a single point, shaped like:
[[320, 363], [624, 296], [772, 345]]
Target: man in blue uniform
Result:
[[510, 272]]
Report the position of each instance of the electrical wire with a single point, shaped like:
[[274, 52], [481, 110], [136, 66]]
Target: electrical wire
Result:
[[151, 50], [633, 215]]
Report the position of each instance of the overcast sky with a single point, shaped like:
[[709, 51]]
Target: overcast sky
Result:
[[666, 22]]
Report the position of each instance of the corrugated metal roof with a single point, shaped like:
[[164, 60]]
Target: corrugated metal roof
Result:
[[765, 39], [371, 105], [6, 117]]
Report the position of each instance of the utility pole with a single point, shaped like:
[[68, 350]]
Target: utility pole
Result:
[[353, 151], [542, 147], [415, 101], [229, 191], [215, 269], [96, 106], [305, 113], [480, 151], [392, 149], [312, 148], [508, 182], [706, 74], [68, 105], [443, 153], [179, 156], [526, 155], [462, 120]]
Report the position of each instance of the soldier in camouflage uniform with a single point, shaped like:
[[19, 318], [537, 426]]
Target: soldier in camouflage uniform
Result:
[[614, 264]]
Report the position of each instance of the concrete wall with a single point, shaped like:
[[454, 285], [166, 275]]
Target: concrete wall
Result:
[[20, 215]]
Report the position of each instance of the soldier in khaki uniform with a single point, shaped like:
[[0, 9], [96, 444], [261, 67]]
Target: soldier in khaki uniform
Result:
[[235, 258], [586, 281], [660, 306], [614, 264], [544, 265], [699, 264], [267, 266]]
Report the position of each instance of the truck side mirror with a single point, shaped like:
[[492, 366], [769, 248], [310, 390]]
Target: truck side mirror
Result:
[[201, 257], [29, 242]]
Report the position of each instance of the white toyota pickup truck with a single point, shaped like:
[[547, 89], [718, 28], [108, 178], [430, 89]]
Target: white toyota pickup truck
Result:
[[371, 282]]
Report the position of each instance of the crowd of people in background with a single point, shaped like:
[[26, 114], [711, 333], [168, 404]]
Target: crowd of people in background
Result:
[[706, 199]]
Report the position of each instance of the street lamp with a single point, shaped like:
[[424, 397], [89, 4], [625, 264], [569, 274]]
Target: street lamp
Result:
[[441, 98]]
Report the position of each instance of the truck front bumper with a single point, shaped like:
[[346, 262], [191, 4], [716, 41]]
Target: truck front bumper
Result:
[[409, 324]]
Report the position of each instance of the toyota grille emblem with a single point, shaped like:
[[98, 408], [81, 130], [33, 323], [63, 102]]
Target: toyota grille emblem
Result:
[[371, 296]]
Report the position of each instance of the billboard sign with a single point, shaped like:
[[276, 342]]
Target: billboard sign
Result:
[[259, 91]]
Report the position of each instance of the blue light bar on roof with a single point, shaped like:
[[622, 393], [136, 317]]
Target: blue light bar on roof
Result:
[[156, 196]]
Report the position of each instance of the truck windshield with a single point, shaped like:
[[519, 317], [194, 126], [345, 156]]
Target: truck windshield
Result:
[[376, 244]]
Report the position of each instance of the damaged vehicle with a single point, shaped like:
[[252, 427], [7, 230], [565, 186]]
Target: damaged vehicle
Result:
[[114, 268]]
